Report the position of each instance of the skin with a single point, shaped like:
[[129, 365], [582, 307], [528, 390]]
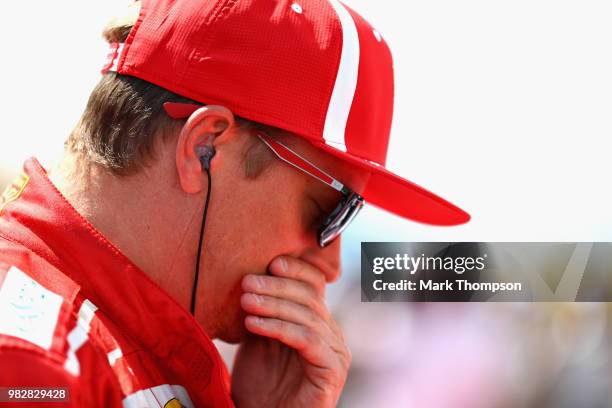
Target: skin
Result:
[[262, 273]]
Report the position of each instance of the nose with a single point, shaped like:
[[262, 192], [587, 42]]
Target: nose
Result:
[[327, 259]]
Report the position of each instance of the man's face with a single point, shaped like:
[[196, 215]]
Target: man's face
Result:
[[251, 221]]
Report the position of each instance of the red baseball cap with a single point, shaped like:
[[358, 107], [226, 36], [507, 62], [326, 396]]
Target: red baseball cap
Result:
[[314, 68]]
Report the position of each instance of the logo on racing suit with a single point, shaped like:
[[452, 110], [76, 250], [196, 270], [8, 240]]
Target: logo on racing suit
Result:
[[13, 190], [174, 403]]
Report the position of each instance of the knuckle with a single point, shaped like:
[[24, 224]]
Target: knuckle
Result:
[[312, 292], [284, 327], [311, 318], [338, 377], [336, 329], [313, 304], [319, 309], [310, 336]]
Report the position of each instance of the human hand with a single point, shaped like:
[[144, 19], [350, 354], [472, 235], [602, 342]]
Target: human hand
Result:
[[296, 356]]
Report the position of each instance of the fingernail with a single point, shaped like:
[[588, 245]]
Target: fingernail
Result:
[[257, 298], [283, 263]]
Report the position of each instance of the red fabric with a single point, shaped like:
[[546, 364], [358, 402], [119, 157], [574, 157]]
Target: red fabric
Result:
[[369, 122], [24, 367], [270, 64], [400, 196], [43, 236], [266, 62]]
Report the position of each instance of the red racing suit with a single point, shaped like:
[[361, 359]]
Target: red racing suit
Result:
[[77, 313]]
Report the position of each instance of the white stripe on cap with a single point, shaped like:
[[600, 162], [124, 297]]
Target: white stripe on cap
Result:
[[113, 67], [346, 81]]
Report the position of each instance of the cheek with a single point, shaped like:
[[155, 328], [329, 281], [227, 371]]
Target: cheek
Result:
[[250, 227], [253, 222], [261, 234], [266, 215], [243, 241]]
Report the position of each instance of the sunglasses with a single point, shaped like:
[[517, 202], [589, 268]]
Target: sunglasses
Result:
[[346, 210]]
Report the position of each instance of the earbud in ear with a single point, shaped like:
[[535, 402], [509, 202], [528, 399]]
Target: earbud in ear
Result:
[[205, 154]]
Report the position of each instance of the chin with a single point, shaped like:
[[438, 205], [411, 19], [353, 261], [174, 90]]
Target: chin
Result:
[[235, 335], [233, 331]]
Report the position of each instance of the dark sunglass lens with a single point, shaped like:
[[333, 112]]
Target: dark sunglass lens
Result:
[[340, 218]]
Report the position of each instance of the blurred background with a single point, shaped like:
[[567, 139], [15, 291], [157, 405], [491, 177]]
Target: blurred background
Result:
[[503, 108]]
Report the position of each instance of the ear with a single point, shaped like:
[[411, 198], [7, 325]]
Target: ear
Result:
[[206, 127]]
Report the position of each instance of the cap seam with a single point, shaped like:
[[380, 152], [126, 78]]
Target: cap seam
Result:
[[206, 37], [177, 88], [130, 39]]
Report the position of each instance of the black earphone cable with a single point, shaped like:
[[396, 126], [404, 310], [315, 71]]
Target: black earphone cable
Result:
[[197, 265]]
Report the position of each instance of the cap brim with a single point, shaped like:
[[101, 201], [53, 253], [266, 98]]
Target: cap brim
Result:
[[395, 194], [384, 189]]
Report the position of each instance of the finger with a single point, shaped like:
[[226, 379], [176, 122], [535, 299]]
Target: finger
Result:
[[297, 269], [285, 288], [304, 340], [268, 306]]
